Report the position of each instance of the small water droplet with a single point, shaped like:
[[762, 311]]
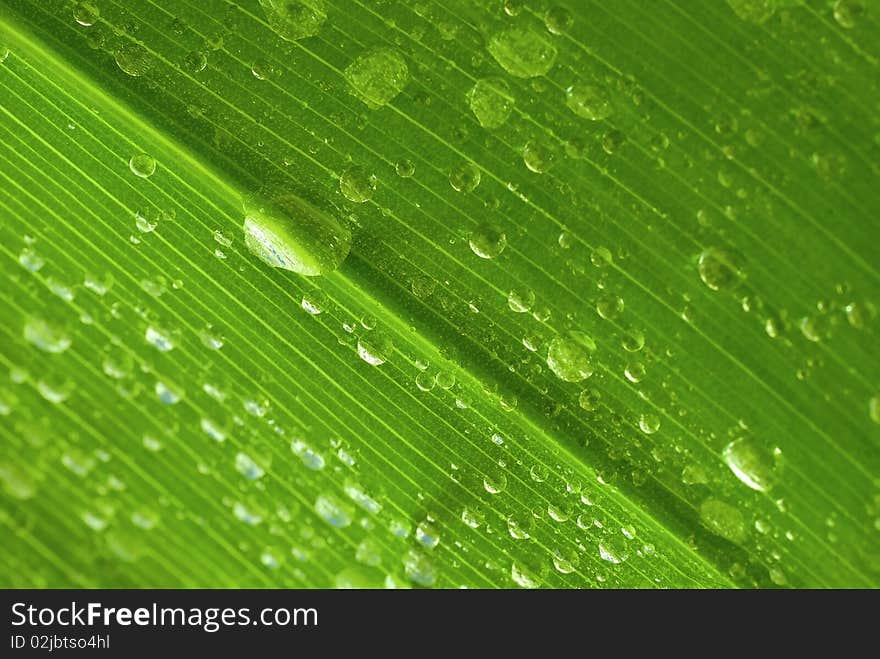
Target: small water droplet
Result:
[[521, 300], [357, 184], [465, 177], [195, 62], [719, 269], [649, 423], [558, 20], [142, 165], [375, 348], [159, 339], [487, 241], [31, 260], [248, 467], [86, 13]]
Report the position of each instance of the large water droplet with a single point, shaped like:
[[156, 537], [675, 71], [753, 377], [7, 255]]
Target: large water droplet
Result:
[[522, 52], [142, 165], [133, 59], [568, 357], [719, 268], [288, 232], [295, 19], [86, 14], [491, 101], [375, 348], [46, 337], [419, 568], [487, 241], [464, 177], [723, 520], [377, 76], [589, 101], [333, 510], [751, 463], [357, 184]]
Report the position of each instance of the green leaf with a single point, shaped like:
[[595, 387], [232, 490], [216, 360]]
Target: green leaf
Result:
[[486, 294]]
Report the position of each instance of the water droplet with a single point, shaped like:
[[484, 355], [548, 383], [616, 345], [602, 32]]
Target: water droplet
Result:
[[428, 535], [357, 184], [635, 372], [419, 569], [212, 429], [719, 268], [46, 337], [568, 357], [589, 400], [473, 517], [333, 510], [425, 381], [558, 20], [874, 408], [195, 62], [537, 157], [521, 300], [491, 101], [377, 76], [487, 241], [55, 389], [133, 59], [86, 14], [159, 339], [288, 232], [168, 393], [405, 168], [142, 165], [753, 11], [522, 52], [723, 520], [262, 70], [362, 498], [310, 458], [609, 553], [588, 100], [649, 423], [248, 467], [601, 257], [847, 13], [612, 140], [495, 482], [566, 561], [31, 260], [313, 302], [751, 464], [609, 306], [210, 338], [375, 348], [152, 444], [445, 380], [525, 575], [246, 514], [633, 340], [465, 177], [295, 19]]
